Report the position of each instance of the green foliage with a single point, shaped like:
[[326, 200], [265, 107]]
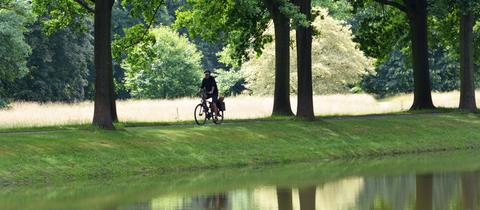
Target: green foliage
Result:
[[166, 67], [230, 82], [338, 9], [445, 25], [239, 24], [61, 14], [337, 63], [58, 67], [394, 75], [378, 30], [14, 51]]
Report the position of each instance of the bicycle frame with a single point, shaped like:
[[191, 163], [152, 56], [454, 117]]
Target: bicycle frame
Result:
[[205, 107]]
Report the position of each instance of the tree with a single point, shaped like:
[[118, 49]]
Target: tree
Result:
[[466, 10], [62, 13], [394, 75], [416, 13], [339, 9], [456, 20], [170, 67], [467, 76], [57, 67], [14, 50], [241, 25], [281, 24], [337, 63], [230, 82]]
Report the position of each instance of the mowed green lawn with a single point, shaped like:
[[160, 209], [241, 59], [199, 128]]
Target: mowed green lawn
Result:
[[90, 154]]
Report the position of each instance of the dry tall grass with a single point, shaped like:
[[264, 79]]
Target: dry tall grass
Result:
[[23, 114]]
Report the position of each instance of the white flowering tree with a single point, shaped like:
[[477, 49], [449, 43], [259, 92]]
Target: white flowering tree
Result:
[[336, 61]]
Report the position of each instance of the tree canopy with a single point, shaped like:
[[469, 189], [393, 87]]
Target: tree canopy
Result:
[[14, 50], [337, 63], [167, 67]]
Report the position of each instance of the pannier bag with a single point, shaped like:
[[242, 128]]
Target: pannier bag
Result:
[[221, 103]]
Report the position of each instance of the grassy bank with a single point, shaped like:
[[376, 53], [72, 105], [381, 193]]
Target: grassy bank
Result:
[[78, 154]]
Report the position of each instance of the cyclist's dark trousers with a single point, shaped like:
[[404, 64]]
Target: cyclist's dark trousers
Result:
[[214, 97]]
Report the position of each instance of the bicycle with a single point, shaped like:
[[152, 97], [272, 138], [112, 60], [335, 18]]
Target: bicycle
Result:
[[203, 111]]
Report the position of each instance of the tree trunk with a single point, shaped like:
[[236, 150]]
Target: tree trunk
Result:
[[113, 92], [281, 23], [467, 85], [102, 115], [304, 65], [284, 199], [307, 198], [417, 15], [424, 191]]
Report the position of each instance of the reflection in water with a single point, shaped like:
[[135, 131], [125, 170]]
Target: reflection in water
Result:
[[387, 192], [424, 192], [469, 186], [284, 197], [307, 197], [340, 194], [427, 191], [211, 202], [419, 192]]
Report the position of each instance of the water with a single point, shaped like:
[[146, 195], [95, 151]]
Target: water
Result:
[[441, 182]]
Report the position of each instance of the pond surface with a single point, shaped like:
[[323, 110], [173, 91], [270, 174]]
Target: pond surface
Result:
[[424, 182]]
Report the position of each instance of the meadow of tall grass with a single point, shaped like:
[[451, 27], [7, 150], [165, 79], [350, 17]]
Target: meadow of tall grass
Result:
[[28, 114]]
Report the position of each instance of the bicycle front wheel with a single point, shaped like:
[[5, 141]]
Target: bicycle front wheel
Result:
[[200, 115]]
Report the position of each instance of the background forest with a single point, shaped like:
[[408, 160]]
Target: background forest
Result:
[[57, 66]]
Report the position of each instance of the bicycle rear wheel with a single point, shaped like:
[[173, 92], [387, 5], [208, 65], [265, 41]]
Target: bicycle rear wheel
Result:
[[218, 119], [200, 115]]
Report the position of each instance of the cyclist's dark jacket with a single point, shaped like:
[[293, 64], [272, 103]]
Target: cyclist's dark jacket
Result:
[[208, 84]]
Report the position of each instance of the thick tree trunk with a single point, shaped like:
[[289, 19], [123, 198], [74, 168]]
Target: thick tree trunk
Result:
[[102, 115], [424, 191], [467, 84], [281, 99], [304, 65], [307, 198], [417, 15], [284, 199]]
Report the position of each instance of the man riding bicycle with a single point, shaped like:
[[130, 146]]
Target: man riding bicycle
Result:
[[210, 86]]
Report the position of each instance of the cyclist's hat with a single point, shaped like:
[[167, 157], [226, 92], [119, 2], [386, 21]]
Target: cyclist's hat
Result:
[[207, 71]]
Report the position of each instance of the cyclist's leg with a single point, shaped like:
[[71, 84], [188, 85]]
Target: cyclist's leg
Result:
[[208, 96], [214, 104]]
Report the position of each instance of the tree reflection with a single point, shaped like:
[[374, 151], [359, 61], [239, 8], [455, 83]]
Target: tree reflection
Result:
[[469, 189], [307, 198], [284, 198], [217, 201], [424, 185]]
